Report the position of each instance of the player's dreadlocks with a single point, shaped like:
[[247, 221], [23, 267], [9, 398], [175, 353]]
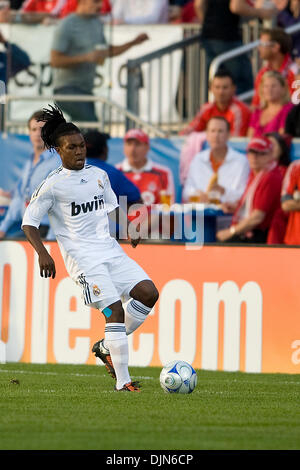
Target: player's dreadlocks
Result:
[[55, 126]]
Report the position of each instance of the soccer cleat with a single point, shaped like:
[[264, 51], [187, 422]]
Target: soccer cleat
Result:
[[103, 354], [130, 387]]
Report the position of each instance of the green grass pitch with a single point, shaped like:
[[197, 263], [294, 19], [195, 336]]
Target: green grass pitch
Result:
[[74, 407]]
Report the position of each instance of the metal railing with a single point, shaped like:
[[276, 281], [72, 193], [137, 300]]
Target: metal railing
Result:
[[214, 66], [188, 96], [192, 86], [112, 119]]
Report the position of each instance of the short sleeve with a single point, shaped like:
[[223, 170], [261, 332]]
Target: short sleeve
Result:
[[40, 204], [62, 38], [110, 198]]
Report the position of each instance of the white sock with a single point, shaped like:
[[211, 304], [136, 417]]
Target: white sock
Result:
[[135, 314], [117, 343]]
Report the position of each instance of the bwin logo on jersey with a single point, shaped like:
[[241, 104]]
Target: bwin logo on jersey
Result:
[[97, 203]]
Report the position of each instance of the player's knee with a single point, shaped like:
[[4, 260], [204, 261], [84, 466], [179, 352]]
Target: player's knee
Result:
[[150, 295]]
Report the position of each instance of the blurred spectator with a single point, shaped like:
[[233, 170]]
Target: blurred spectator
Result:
[[43, 6], [281, 154], [288, 16], [140, 11], [281, 150], [290, 203], [33, 11], [275, 47], [274, 105], [35, 170], [47, 11], [221, 33], [71, 5], [225, 104], [254, 212], [152, 179], [97, 154], [76, 54], [218, 174], [5, 12], [13, 60], [182, 11], [193, 143]]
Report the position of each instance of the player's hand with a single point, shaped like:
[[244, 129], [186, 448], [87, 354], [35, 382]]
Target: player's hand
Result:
[[47, 265], [140, 38]]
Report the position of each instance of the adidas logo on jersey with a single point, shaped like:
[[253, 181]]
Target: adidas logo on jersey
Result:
[[97, 203]]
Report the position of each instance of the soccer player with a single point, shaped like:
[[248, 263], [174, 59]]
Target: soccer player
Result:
[[78, 199]]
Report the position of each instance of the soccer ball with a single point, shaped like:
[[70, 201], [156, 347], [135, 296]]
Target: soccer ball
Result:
[[178, 377]]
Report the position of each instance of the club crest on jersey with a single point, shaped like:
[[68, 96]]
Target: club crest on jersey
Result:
[[96, 204], [96, 290], [100, 184]]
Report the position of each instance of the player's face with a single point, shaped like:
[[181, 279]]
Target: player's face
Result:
[[72, 151], [35, 134], [136, 152]]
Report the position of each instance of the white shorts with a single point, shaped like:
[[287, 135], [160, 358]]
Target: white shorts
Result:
[[113, 282]]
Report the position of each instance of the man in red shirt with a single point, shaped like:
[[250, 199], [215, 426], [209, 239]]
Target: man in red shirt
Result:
[[290, 203], [152, 179], [254, 213], [225, 104], [275, 48], [58, 8]]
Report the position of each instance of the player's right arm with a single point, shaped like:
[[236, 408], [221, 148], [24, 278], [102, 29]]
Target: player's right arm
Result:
[[46, 262], [40, 204]]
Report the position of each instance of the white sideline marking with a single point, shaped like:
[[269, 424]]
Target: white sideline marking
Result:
[[286, 382], [72, 374]]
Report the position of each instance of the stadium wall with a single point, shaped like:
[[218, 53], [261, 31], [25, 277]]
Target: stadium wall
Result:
[[220, 308]]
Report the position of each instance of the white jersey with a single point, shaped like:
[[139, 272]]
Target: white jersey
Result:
[[77, 203]]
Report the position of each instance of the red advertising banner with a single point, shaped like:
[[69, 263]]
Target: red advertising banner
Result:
[[220, 308]]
